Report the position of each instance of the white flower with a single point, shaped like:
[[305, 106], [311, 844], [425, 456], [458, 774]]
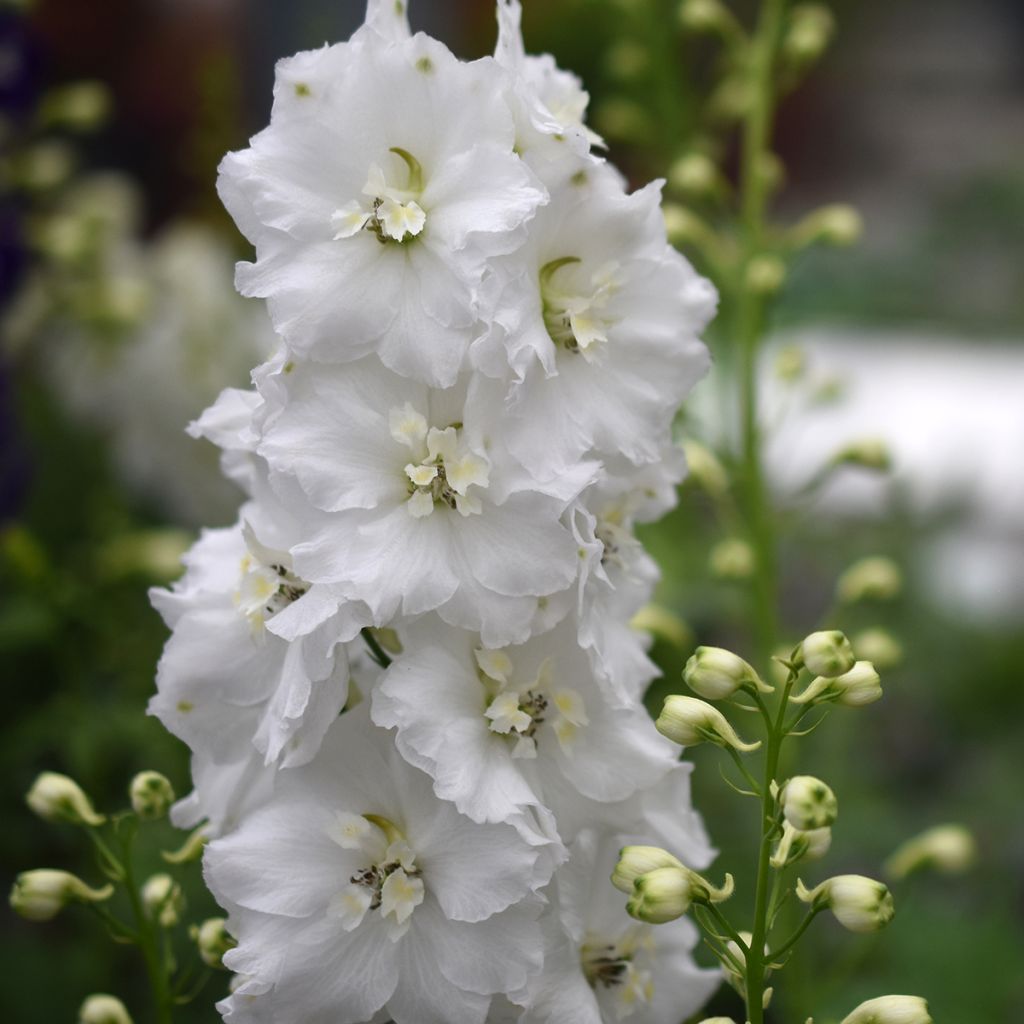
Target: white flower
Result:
[[374, 205], [527, 725], [601, 966], [354, 888], [414, 508]]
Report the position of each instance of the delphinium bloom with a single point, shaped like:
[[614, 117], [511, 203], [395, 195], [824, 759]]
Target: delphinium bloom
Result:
[[407, 673]]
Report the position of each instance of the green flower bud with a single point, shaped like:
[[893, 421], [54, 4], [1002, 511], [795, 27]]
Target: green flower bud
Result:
[[635, 861], [213, 939], [878, 646], [702, 15], [826, 653], [790, 363], [689, 721], [796, 844], [705, 469], [716, 673], [891, 1010], [103, 1009], [811, 28], [163, 899], [41, 894], [151, 795], [55, 797], [732, 559], [874, 579], [868, 453], [693, 174], [854, 689], [948, 849], [765, 274], [80, 106], [807, 803], [717, 1020], [666, 893], [859, 904]]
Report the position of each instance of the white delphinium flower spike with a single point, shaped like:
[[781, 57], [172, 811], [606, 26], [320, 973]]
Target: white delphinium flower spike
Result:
[[354, 889], [374, 207]]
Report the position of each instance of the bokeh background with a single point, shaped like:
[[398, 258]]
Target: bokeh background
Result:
[[119, 325]]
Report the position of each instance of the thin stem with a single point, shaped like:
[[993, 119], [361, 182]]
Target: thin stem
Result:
[[723, 922], [754, 784], [377, 652], [795, 937]]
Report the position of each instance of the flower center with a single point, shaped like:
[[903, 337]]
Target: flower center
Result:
[[443, 467], [518, 711], [389, 213], [389, 882], [617, 968], [573, 305], [267, 583]]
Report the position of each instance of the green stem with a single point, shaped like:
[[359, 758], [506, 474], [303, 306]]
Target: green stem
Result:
[[795, 937], [377, 652]]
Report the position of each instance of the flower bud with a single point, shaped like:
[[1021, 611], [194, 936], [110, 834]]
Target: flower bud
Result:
[[663, 624], [859, 904], [765, 274], [790, 363], [163, 899], [826, 653], [717, 1020], [854, 689], [666, 893], [689, 721], [732, 559], [214, 940], [702, 15], [868, 453], [151, 795], [705, 468], [811, 28], [716, 673], [796, 845], [878, 646], [875, 579], [891, 1010], [80, 106], [103, 1009], [693, 174], [40, 895], [807, 803], [948, 849], [55, 797], [635, 861]]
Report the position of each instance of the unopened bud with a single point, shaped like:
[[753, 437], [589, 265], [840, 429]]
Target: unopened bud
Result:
[[891, 1010], [684, 227], [732, 559], [717, 1020], [948, 849], [796, 844], [214, 940], [854, 689], [81, 106], [55, 797], [635, 861], [716, 673], [103, 1009], [627, 60], [825, 653], [621, 118], [870, 579], [705, 468], [163, 899], [694, 174], [151, 795], [663, 624], [46, 165], [689, 721], [41, 894], [869, 453], [765, 274], [878, 646], [666, 893], [859, 904], [811, 28], [702, 15], [790, 363], [807, 803]]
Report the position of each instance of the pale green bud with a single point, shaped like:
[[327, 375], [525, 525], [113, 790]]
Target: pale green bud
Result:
[[684, 227], [859, 904], [627, 59], [41, 894], [716, 673], [717, 1020], [796, 844], [826, 653], [689, 721], [151, 795], [875, 579], [811, 28], [214, 940], [705, 468], [854, 689], [807, 803], [891, 1010], [837, 224], [732, 559], [663, 625], [878, 646], [702, 15], [635, 861], [948, 849], [46, 165], [81, 106], [103, 1009], [163, 899], [868, 453], [765, 274], [666, 893], [694, 174], [621, 118], [56, 797], [790, 363]]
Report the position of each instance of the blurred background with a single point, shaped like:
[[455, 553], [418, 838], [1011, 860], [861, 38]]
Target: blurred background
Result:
[[119, 324]]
